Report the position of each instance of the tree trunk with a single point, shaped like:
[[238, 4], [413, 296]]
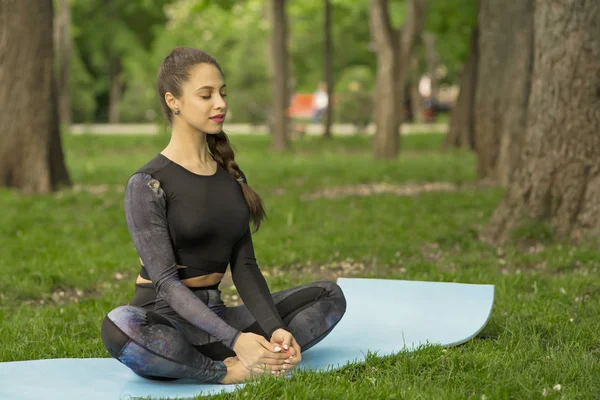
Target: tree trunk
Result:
[[503, 83], [558, 179], [280, 75], [116, 89], [461, 132], [394, 50], [412, 84], [327, 68], [31, 157], [432, 60], [63, 42]]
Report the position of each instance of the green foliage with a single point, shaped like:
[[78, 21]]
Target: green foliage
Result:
[[543, 327], [115, 35], [243, 57], [452, 22], [351, 40], [354, 96], [82, 89], [136, 35]]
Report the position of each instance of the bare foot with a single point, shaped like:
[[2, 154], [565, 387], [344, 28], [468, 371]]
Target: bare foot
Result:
[[236, 372]]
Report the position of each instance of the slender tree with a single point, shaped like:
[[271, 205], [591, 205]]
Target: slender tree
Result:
[[394, 48], [328, 68], [462, 130], [280, 63]]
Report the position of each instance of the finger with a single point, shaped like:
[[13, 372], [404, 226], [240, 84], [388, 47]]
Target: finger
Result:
[[279, 355], [297, 348], [298, 354], [294, 349], [272, 347], [272, 360], [287, 341]]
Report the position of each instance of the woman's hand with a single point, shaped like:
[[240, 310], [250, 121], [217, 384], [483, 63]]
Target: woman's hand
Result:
[[257, 354], [287, 341]]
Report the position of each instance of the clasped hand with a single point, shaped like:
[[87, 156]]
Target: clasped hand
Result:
[[278, 356]]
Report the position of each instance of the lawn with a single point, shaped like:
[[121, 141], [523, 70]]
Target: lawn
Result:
[[67, 259]]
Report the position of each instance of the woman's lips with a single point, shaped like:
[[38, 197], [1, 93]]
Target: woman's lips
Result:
[[218, 118]]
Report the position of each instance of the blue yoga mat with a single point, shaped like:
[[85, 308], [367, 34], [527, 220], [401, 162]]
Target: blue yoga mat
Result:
[[382, 316]]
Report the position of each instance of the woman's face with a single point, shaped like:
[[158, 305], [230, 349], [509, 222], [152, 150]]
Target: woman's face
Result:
[[203, 104]]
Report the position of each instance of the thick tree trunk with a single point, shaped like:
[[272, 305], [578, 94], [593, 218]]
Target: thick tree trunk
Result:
[[461, 132], [280, 75], [394, 52], [63, 42], [503, 83], [31, 158], [328, 69], [116, 89], [558, 180]]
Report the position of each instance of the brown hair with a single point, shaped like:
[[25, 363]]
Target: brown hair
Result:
[[174, 71]]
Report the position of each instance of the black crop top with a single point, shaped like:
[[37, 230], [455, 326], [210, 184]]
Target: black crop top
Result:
[[176, 217]]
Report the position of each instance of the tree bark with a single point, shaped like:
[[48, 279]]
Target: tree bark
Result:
[[280, 75], [461, 132], [412, 85], [432, 60], [394, 50], [116, 89], [31, 157], [503, 83], [558, 179], [328, 68], [63, 42]]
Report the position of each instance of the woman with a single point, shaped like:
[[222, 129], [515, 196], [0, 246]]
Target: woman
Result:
[[188, 212]]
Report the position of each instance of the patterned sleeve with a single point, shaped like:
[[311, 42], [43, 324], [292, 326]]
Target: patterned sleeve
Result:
[[146, 216]]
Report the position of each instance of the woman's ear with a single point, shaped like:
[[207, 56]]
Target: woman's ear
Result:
[[171, 101]]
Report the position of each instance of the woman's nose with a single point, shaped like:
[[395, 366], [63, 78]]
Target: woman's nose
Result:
[[220, 102]]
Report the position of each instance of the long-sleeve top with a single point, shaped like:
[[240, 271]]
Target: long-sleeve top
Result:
[[176, 217]]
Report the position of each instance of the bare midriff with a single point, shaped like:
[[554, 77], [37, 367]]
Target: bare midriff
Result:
[[197, 281]]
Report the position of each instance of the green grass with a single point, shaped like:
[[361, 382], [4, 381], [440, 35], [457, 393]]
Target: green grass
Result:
[[543, 330]]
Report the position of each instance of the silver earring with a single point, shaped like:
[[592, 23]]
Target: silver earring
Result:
[[176, 112]]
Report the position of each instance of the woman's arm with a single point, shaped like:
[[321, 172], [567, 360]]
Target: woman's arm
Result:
[[252, 287], [146, 216]]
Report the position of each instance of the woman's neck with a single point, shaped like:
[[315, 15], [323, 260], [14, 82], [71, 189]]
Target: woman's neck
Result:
[[188, 147]]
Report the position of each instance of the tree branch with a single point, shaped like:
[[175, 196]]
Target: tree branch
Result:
[[380, 25]]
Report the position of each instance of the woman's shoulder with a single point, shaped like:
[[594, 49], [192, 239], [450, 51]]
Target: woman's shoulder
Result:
[[154, 166], [149, 174]]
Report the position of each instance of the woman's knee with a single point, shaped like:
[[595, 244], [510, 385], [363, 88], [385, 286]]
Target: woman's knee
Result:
[[119, 326], [333, 295], [114, 339], [129, 319], [334, 291]]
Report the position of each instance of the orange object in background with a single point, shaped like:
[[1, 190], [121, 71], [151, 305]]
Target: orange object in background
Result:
[[301, 106]]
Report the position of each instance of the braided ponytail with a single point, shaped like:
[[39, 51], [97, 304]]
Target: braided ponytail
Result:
[[220, 148]]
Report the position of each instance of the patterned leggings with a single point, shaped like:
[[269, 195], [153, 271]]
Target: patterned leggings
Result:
[[156, 343]]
